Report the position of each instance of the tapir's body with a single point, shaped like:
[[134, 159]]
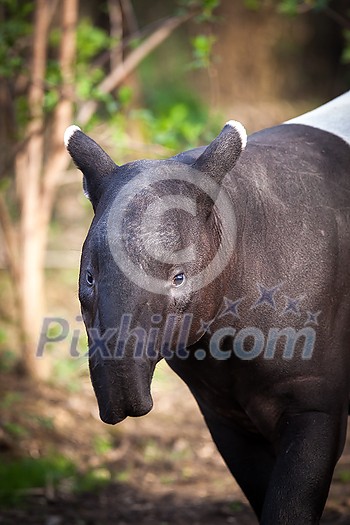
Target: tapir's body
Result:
[[266, 352]]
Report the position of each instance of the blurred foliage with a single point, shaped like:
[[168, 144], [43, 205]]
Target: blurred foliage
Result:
[[202, 50], [174, 123], [299, 7], [8, 360], [103, 444], [19, 476], [346, 52], [206, 8], [93, 42], [175, 126], [13, 36], [3, 336], [171, 115], [293, 7], [289, 7], [68, 371], [23, 477], [344, 476], [15, 429], [10, 399]]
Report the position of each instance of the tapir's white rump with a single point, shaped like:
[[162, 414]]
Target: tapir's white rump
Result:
[[333, 117]]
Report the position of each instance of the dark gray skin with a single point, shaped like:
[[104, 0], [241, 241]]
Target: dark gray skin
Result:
[[279, 423]]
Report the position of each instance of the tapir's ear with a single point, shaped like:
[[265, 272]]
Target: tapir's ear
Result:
[[92, 160], [222, 153]]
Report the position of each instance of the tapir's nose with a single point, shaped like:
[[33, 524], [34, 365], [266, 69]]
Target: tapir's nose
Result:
[[112, 415], [122, 387]]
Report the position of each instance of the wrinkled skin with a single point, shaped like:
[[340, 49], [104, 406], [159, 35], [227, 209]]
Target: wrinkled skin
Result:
[[278, 420]]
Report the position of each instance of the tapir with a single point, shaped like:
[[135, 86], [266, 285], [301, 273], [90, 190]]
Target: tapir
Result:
[[232, 262]]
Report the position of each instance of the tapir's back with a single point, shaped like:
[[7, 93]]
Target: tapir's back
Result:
[[298, 181], [296, 185], [301, 162]]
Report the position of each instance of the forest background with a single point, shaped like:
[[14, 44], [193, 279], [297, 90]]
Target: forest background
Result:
[[146, 79]]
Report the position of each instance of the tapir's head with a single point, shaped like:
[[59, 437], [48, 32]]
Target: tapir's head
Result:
[[162, 236]]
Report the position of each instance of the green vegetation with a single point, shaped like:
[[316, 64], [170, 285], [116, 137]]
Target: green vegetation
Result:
[[344, 476], [23, 477], [103, 444]]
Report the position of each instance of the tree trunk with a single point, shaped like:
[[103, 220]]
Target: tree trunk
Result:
[[31, 301], [29, 168], [37, 179]]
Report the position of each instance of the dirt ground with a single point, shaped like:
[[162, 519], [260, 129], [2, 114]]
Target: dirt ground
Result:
[[160, 469]]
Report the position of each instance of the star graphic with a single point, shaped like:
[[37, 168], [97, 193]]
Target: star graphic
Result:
[[266, 296], [231, 307], [205, 327], [292, 305], [312, 318]]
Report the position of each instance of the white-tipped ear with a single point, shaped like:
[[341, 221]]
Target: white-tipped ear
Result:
[[241, 130], [69, 133], [92, 160], [223, 152]]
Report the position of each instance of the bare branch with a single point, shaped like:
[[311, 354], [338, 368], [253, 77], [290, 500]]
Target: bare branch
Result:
[[116, 31], [118, 75], [129, 15], [139, 34]]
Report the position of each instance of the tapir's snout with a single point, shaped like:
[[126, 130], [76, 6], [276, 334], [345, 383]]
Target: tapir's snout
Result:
[[112, 415], [122, 388]]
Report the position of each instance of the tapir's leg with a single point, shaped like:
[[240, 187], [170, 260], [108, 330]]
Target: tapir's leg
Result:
[[309, 448], [249, 458]]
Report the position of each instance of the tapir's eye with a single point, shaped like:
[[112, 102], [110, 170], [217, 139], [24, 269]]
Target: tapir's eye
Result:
[[89, 278], [179, 279]]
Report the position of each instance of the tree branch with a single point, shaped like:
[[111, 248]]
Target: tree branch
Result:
[[129, 15], [340, 19], [116, 32], [118, 75]]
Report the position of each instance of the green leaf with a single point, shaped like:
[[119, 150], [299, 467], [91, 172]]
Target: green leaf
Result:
[[15, 28], [346, 52], [253, 5], [202, 46], [321, 4], [125, 95], [288, 7], [51, 99], [91, 40]]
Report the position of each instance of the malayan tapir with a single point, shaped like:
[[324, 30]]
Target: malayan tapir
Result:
[[232, 262]]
